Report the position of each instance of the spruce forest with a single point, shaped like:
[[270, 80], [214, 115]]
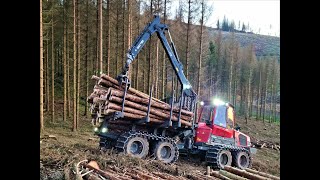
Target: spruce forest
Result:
[[82, 38]]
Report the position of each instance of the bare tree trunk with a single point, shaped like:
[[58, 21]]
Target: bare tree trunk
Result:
[[271, 105], [79, 63], [156, 73], [258, 94], [100, 37], [47, 78], [74, 68], [41, 70], [251, 102], [68, 79], [108, 37], [65, 68], [123, 33], [117, 34], [188, 40], [137, 64], [164, 70], [144, 71], [265, 93], [200, 47], [150, 76], [86, 58], [129, 34], [52, 69], [98, 43]]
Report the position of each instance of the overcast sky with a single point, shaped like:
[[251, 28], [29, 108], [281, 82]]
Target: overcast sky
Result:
[[258, 13]]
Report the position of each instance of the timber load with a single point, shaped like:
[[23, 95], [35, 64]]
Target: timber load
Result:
[[106, 101]]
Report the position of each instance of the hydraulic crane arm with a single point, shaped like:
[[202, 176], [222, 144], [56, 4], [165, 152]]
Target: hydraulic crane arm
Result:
[[152, 27]]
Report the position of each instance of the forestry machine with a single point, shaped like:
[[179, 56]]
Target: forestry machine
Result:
[[213, 135]]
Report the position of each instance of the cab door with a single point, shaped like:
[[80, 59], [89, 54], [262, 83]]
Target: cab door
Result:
[[229, 132], [219, 121]]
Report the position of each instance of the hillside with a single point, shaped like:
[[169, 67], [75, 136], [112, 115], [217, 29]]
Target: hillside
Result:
[[264, 45]]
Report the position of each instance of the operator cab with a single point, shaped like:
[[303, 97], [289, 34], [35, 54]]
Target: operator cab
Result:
[[215, 118]]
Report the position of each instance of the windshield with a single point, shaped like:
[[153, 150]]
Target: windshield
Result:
[[220, 116]]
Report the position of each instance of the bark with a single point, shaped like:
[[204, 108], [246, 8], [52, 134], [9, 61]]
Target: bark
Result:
[[258, 95], [102, 173], [41, 70], [262, 174], [52, 70], [232, 176], [47, 79], [150, 76], [100, 36], [145, 108], [123, 33], [218, 175], [86, 58], [78, 62], [131, 116], [74, 68], [156, 73], [244, 173], [64, 69], [145, 101], [200, 48], [68, 80], [132, 90], [265, 95], [137, 58], [164, 70], [129, 34], [108, 37], [188, 40]]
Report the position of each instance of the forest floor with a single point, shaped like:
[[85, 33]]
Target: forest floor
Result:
[[63, 148]]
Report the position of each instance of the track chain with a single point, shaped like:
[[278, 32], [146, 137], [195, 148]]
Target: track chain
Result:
[[212, 154], [123, 139]]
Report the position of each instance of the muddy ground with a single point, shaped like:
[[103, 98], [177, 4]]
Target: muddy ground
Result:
[[59, 152]]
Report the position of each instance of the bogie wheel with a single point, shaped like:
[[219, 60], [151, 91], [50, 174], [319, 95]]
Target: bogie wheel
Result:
[[242, 160], [137, 147], [218, 157], [225, 158], [166, 152]]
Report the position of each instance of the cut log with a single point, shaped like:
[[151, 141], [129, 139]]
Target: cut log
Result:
[[263, 174], [218, 175], [117, 107], [244, 173], [232, 176], [144, 108], [133, 116], [102, 173], [263, 145], [132, 90], [145, 101], [94, 77]]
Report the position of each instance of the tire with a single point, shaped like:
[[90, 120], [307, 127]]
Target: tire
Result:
[[242, 160], [137, 147], [224, 158], [218, 157], [165, 152]]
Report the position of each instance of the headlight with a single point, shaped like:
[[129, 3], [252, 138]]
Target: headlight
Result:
[[104, 130], [201, 103], [95, 129], [218, 102]]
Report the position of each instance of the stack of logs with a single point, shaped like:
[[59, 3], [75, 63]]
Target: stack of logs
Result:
[[107, 98], [265, 144]]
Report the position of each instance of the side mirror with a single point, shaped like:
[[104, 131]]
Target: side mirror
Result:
[[237, 128]]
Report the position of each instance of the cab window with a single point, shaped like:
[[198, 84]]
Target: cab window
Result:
[[206, 114], [230, 118], [220, 116]]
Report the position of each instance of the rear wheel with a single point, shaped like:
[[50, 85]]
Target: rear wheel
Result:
[[166, 152], [137, 147], [242, 159], [218, 157]]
